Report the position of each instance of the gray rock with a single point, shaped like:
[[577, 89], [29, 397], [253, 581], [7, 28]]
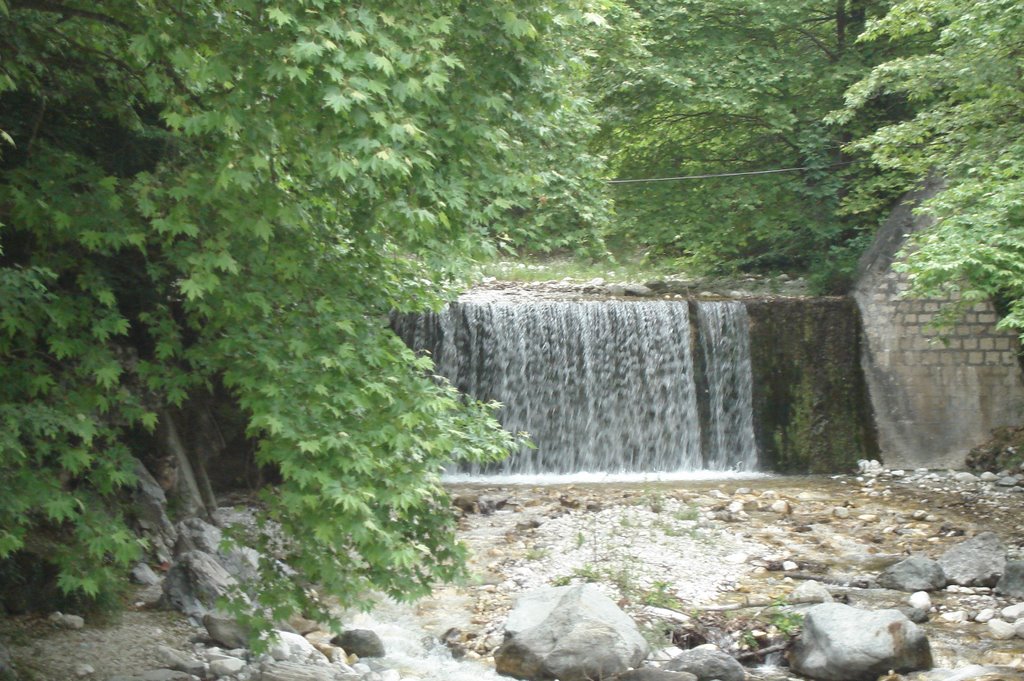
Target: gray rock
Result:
[[195, 582], [571, 633], [195, 534], [979, 561], [915, 573], [294, 671], [149, 508], [636, 290], [226, 666], [707, 664], [179, 661], [1012, 582], [842, 643], [648, 674], [143, 574], [225, 631], [1008, 481], [915, 615], [360, 642]]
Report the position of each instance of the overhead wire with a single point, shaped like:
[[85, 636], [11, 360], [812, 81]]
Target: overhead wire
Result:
[[708, 176]]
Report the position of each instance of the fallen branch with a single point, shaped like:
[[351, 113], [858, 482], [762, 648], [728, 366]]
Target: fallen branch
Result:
[[760, 602]]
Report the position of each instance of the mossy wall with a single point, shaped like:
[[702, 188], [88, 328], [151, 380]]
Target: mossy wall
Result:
[[811, 408]]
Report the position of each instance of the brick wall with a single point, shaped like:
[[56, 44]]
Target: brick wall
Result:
[[935, 392]]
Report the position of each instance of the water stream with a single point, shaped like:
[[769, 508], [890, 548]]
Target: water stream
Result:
[[603, 387]]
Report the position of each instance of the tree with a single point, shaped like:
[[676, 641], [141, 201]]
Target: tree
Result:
[[232, 196], [740, 86], [964, 83]]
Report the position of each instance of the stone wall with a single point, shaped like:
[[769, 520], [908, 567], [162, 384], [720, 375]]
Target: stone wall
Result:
[[936, 392]]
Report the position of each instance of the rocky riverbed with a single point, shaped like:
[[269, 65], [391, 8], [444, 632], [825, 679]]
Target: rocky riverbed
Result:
[[731, 563]]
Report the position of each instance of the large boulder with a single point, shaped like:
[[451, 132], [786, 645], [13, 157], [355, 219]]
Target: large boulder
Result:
[[707, 663], [570, 633], [360, 642], [979, 561], [195, 582], [195, 534], [915, 573], [842, 643]]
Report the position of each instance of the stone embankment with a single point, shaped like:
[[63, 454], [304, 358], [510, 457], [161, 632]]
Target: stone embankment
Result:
[[916, 573]]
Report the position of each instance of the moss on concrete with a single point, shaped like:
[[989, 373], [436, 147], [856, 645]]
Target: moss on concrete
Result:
[[811, 409]]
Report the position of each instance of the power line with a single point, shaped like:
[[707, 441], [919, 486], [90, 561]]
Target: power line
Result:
[[736, 174]]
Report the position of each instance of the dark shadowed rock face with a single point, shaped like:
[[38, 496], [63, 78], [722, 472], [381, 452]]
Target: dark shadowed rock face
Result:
[[361, 642], [571, 633], [842, 643]]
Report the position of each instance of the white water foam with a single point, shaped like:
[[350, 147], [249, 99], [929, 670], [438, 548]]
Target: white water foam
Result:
[[597, 478]]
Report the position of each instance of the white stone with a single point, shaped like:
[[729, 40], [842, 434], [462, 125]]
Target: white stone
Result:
[[1013, 612], [789, 566], [1000, 630], [84, 670], [780, 506], [964, 476], [811, 591], [985, 615], [989, 476], [841, 512], [289, 646], [920, 599], [226, 666], [956, 616], [1018, 628], [66, 621]]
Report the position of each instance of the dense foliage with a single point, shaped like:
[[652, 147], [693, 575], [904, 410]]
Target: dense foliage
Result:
[[739, 86], [199, 196], [967, 130]]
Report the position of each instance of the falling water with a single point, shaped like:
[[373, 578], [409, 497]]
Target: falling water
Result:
[[604, 386], [725, 342]]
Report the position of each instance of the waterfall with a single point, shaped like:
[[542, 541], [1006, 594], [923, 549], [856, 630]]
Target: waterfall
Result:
[[726, 345], [605, 386]]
